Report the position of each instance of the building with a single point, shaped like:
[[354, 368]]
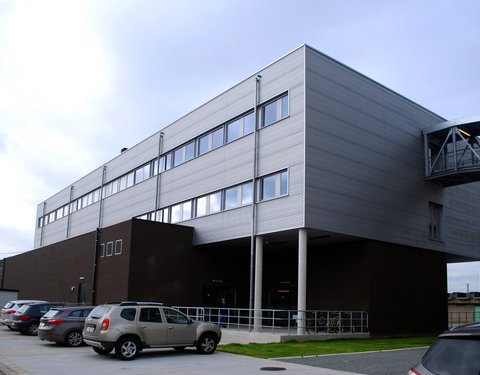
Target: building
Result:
[[463, 308], [305, 186]]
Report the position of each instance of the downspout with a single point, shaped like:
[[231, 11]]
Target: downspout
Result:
[[98, 232], [254, 198], [69, 219], [43, 223], [157, 190]]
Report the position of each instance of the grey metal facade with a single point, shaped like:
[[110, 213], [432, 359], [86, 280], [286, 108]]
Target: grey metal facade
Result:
[[352, 149]]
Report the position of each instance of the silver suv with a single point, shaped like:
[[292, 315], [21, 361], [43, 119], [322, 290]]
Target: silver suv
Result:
[[129, 327]]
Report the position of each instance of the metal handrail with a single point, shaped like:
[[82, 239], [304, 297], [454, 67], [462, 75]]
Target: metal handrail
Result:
[[282, 321]]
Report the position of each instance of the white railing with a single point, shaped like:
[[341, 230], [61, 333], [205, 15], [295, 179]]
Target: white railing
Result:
[[282, 321]]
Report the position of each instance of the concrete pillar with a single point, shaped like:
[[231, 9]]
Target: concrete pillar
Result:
[[257, 321], [302, 281]]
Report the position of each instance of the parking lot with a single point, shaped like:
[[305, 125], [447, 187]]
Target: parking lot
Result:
[[24, 355]]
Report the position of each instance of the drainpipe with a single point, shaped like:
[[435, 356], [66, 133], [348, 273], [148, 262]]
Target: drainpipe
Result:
[[69, 219], [254, 198], [43, 223], [157, 190], [98, 232]]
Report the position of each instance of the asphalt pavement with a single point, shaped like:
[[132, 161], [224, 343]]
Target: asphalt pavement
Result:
[[389, 362], [25, 355]]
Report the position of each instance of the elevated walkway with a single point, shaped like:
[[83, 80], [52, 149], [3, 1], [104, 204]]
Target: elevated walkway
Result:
[[452, 151]]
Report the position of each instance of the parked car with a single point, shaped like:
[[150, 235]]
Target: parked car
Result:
[[455, 352], [11, 307], [27, 318], [64, 325], [130, 327]]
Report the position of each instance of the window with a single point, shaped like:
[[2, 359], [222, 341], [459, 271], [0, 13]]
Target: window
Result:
[[60, 213], [179, 156], [217, 138], [232, 197], [187, 210], [150, 314], [40, 222], [234, 130], [204, 144], [51, 217], [176, 213], [123, 183], [168, 161], [201, 206], [102, 250], [65, 209], [215, 203], [275, 110], [130, 179], [142, 173], [174, 317], [247, 193], [274, 185], [128, 314], [435, 226], [182, 211], [190, 151], [118, 247], [109, 249]]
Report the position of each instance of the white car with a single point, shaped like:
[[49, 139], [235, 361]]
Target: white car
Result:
[[11, 308]]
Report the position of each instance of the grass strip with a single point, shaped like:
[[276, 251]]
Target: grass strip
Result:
[[335, 346]]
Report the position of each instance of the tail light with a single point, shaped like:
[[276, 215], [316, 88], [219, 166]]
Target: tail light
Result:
[[54, 321], [413, 372], [9, 311], [24, 317], [105, 324]]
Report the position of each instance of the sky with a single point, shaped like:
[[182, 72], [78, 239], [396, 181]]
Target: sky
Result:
[[79, 80]]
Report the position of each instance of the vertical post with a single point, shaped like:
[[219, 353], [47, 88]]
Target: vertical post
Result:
[[257, 321], [254, 199], [69, 218], [43, 222], [157, 190], [302, 280]]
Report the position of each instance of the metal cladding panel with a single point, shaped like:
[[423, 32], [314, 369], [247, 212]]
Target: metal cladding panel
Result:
[[132, 158], [84, 220], [222, 226], [364, 163], [225, 166], [134, 201]]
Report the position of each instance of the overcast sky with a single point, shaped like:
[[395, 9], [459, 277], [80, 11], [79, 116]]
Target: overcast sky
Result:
[[79, 80]]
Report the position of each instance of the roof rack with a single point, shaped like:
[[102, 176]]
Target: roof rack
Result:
[[137, 303]]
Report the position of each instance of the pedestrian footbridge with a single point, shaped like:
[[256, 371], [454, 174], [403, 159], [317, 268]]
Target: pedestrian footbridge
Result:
[[452, 151]]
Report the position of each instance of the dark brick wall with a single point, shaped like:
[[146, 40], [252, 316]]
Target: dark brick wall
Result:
[[50, 272]]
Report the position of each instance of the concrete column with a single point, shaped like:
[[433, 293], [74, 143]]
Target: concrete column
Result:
[[302, 281], [257, 321]]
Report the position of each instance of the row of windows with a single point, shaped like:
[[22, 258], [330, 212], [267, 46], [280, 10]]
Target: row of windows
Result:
[[271, 186], [109, 249], [230, 131]]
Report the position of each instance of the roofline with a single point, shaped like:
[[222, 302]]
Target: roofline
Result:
[[452, 123]]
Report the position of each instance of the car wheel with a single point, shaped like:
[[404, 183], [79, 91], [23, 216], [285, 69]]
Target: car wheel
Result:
[[101, 351], [73, 338], [207, 343], [127, 348], [32, 329]]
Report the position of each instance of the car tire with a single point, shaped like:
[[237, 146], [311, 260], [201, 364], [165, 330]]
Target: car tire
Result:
[[127, 348], [101, 351], [10, 328], [32, 329], [207, 343], [73, 338]]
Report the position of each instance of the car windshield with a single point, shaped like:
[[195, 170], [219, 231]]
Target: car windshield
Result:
[[9, 305], [454, 356], [51, 313], [99, 311]]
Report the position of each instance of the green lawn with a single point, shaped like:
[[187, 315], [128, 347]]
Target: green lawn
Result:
[[294, 349]]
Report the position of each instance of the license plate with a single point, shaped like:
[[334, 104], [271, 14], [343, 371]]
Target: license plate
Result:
[[90, 329]]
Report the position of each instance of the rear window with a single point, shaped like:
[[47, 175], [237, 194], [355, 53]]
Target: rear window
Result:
[[52, 313], [454, 356], [9, 305], [99, 311], [23, 308]]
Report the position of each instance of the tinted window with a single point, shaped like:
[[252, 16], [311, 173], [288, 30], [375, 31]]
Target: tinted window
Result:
[[75, 314], [175, 317], [8, 305], [128, 314], [150, 314], [454, 356], [23, 308]]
